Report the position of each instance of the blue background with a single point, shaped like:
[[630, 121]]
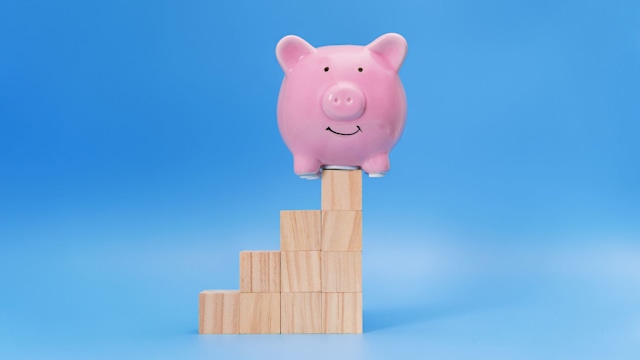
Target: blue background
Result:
[[139, 153]]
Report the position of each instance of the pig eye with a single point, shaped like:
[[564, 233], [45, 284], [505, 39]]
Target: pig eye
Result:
[[360, 69], [326, 69]]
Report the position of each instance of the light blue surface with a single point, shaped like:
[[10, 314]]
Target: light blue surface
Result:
[[139, 153]]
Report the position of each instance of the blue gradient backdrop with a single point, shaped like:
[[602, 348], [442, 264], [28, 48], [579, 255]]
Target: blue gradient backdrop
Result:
[[139, 153]]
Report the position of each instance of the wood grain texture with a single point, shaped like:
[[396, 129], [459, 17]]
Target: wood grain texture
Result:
[[341, 190], [259, 313], [342, 313], [300, 230], [301, 271], [260, 271], [301, 313], [341, 271], [219, 312], [342, 230]]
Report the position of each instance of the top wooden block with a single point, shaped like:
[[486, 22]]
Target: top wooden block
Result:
[[341, 190]]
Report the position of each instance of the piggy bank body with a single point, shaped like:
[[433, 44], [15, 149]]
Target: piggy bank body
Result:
[[341, 106]]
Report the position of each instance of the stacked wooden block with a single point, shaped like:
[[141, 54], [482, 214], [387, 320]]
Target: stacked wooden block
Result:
[[313, 284]]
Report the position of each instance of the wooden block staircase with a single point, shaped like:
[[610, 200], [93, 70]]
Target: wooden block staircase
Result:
[[312, 285]]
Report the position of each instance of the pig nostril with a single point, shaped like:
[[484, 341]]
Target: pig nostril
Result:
[[336, 100], [349, 100]]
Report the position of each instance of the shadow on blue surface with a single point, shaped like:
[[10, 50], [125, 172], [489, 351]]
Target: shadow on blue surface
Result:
[[471, 300], [382, 319]]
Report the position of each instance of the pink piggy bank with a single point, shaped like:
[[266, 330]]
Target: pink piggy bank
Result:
[[341, 107]]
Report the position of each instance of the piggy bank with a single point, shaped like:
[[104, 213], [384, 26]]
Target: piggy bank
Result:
[[341, 107]]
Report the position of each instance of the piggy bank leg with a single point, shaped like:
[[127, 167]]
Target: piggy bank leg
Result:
[[306, 168], [377, 165]]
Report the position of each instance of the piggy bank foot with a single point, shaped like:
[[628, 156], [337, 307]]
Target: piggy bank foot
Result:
[[306, 168], [377, 166], [310, 176]]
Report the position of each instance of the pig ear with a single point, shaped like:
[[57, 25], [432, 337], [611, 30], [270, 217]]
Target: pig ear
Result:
[[392, 47], [290, 50]]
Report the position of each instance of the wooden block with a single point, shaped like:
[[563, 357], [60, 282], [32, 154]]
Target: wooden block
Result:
[[301, 313], [342, 230], [219, 312], [341, 190], [342, 313], [260, 271], [341, 271], [300, 230], [259, 313], [301, 271]]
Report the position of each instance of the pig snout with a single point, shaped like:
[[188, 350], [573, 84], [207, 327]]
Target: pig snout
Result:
[[343, 102]]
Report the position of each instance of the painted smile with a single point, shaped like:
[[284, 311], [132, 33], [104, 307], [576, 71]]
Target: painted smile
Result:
[[353, 133]]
